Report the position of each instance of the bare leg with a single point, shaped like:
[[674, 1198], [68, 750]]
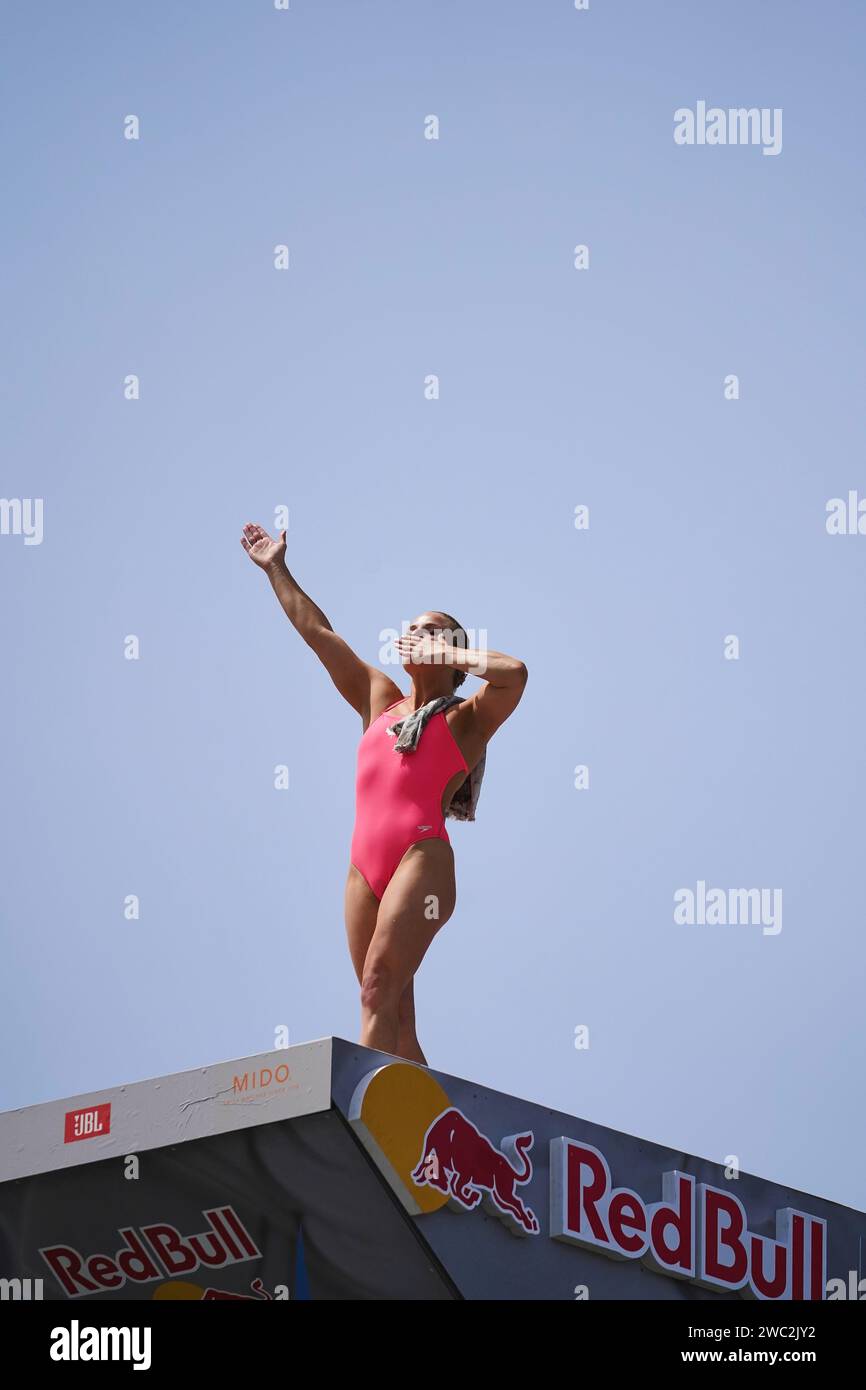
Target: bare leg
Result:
[[361, 911], [408, 1045], [418, 901]]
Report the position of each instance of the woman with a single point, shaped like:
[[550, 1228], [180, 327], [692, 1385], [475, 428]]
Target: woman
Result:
[[417, 752]]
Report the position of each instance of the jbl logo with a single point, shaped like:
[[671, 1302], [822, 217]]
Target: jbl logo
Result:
[[87, 1124]]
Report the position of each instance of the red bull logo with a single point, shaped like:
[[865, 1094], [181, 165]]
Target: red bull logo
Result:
[[458, 1159], [697, 1231], [433, 1155], [157, 1251]]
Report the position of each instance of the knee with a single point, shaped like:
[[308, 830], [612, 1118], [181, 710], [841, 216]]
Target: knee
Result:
[[380, 988]]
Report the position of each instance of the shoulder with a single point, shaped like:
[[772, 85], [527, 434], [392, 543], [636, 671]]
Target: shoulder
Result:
[[383, 692]]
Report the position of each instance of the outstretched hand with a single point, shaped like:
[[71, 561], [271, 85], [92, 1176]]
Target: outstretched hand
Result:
[[261, 549]]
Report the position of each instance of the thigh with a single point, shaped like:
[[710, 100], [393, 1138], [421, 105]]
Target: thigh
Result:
[[361, 911], [418, 900]]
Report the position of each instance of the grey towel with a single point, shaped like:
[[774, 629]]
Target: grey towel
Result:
[[408, 733]]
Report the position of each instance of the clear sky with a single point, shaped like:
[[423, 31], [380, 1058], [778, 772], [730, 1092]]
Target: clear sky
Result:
[[558, 387]]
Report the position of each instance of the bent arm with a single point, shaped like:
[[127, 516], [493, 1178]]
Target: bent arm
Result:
[[505, 678]]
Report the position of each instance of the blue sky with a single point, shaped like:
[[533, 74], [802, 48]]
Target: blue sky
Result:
[[558, 387]]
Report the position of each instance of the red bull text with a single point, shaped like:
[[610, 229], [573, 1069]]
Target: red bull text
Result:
[[156, 1251], [695, 1232]]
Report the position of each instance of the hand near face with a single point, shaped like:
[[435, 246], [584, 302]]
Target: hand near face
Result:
[[422, 648]]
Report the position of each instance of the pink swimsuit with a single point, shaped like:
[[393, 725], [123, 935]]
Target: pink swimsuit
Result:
[[398, 796]]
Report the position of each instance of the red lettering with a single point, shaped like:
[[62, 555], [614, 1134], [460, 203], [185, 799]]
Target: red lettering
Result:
[[209, 1248], [224, 1242], [170, 1248], [773, 1285], [104, 1271], [718, 1237], [231, 1220], [626, 1211], [136, 1262], [582, 1198], [709, 1242], [65, 1264], [798, 1256], [676, 1212], [817, 1259]]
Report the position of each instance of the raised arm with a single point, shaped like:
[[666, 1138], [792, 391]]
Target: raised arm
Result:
[[358, 683]]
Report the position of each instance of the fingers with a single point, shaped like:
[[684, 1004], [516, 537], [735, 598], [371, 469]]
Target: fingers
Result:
[[411, 647], [253, 537]]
